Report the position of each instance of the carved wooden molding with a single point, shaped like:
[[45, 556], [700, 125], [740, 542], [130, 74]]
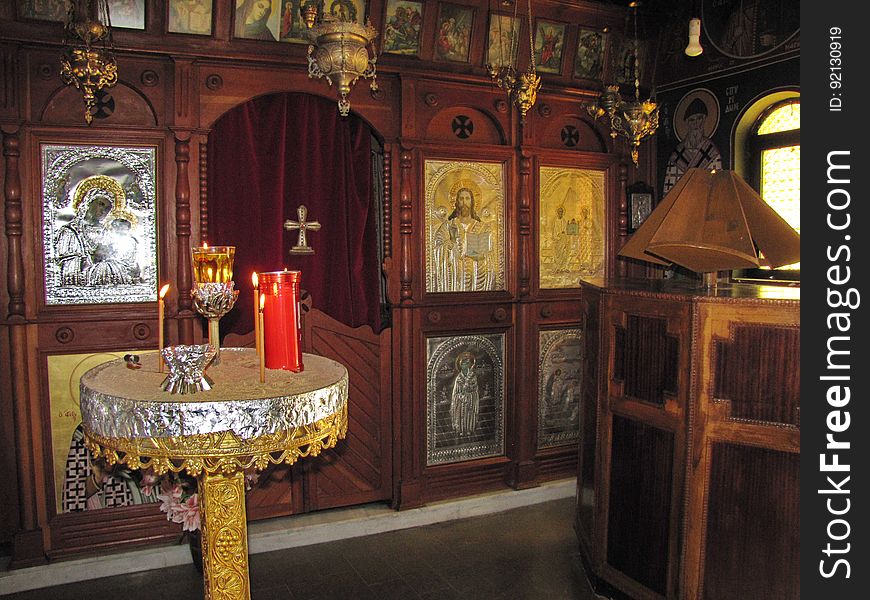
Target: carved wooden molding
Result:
[[388, 204], [14, 229], [406, 228], [525, 223], [203, 190], [182, 231]]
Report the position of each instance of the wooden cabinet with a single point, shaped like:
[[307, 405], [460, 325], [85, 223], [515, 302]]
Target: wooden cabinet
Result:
[[693, 404]]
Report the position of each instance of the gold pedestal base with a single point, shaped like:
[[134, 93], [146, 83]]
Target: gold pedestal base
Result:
[[224, 536]]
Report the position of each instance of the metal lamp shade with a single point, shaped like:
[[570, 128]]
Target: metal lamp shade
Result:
[[714, 221]]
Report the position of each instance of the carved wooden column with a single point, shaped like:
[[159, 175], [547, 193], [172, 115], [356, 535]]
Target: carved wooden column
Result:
[[28, 546], [525, 223], [523, 471], [184, 277], [407, 490], [622, 222]]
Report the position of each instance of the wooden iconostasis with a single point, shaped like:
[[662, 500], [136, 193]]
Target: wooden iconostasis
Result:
[[485, 225]]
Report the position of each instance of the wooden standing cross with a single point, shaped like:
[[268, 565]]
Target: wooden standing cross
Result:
[[303, 226]]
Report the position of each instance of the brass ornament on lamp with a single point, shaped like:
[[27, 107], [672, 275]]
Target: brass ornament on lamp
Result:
[[339, 51], [633, 119], [88, 62], [522, 88]]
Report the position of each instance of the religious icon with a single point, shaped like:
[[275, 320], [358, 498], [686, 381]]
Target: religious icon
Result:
[[503, 40], [129, 14], [81, 483], [464, 226], [571, 235], [639, 205], [549, 43], [402, 29], [589, 61], [43, 10], [353, 11], [190, 16], [465, 397], [695, 121], [257, 19], [559, 385], [99, 224], [749, 28], [453, 32]]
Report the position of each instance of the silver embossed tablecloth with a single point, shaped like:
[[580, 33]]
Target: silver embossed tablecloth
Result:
[[118, 402]]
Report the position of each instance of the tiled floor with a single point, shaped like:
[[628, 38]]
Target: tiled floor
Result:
[[526, 553]]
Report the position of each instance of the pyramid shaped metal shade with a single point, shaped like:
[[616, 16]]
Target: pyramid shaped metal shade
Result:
[[713, 221]]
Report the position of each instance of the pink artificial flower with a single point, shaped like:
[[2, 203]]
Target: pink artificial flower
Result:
[[189, 511], [170, 501], [149, 480], [251, 479]]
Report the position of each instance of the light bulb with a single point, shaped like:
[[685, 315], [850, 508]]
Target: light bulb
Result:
[[694, 48]]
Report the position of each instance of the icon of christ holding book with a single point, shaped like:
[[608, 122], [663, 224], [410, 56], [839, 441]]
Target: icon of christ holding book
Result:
[[463, 248]]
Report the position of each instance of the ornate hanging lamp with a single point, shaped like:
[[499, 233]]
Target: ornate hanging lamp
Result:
[[634, 119], [88, 62], [339, 50], [522, 88]]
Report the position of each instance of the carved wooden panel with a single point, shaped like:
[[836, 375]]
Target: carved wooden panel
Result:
[[758, 371], [359, 469], [92, 530], [765, 485], [276, 493], [586, 474], [641, 472], [646, 359], [463, 124]]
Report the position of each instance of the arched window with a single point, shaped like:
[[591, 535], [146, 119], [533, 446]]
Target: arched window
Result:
[[773, 160]]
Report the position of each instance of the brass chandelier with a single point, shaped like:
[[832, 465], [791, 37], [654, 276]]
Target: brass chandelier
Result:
[[88, 62], [339, 51], [634, 119], [522, 88]]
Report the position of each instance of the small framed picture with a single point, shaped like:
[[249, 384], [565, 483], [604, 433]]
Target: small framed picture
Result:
[[453, 33], [640, 205], [129, 14], [402, 27], [190, 16], [347, 10], [589, 61], [503, 40], [549, 44], [42, 10]]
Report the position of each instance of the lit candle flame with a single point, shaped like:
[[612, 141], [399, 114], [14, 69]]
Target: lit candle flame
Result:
[[255, 280], [205, 245], [262, 301], [163, 291]]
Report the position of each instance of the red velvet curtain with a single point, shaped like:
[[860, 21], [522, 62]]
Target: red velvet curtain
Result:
[[270, 155]]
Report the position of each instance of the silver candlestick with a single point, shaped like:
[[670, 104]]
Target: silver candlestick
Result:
[[214, 300], [187, 368]]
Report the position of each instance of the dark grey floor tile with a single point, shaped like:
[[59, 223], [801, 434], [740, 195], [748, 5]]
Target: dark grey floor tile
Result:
[[528, 553], [278, 592], [394, 590]]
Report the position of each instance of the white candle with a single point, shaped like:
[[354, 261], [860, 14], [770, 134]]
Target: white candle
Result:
[[257, 332], [160, 340], [262, 353]]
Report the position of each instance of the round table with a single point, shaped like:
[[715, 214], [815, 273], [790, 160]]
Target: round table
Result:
[[215, 435]]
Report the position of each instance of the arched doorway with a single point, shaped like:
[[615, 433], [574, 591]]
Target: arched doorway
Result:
[[267, 157]]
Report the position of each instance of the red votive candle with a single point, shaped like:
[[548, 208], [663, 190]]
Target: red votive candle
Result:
[[281, 333]]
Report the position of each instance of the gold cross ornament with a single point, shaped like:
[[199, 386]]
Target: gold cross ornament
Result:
[[303, 226]]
